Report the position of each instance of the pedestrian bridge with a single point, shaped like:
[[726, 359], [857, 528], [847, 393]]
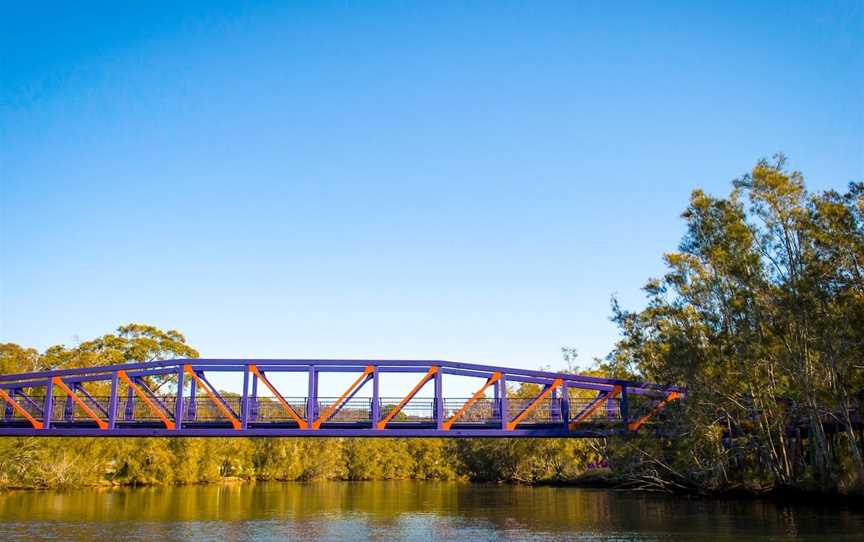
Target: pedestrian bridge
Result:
[[176, 398]]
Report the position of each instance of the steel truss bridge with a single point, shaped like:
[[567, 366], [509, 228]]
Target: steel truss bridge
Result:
[[128, 400]]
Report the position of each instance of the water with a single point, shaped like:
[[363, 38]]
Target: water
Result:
[[406, 511]]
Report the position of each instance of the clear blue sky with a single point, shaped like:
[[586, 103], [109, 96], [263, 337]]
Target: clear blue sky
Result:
[[458, 180]]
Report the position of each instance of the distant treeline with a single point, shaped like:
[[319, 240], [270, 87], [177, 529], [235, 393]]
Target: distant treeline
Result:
[[760, 315], [80, 461]]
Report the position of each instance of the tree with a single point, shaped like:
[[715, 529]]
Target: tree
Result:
[[759, 315], [15, 359]]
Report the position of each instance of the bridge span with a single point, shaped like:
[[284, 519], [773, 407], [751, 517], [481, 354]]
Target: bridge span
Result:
[[176, 398]]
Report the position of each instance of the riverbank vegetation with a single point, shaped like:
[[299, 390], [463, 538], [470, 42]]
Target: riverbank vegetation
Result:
[[74, 462], [760, 315]]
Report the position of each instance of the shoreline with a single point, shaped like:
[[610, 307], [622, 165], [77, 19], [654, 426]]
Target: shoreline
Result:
[[786, 495]]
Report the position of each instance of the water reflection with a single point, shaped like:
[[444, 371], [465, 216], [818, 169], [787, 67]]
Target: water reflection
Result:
[[405, 511]]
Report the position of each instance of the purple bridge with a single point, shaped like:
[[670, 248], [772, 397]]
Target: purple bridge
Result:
[[175, 398]]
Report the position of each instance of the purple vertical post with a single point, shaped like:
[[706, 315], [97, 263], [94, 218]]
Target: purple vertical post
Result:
[[439, 401], [49, 404], [554, 406], [9, 410], [130, 405], [112, 402], [611, 407], [315, 408], [565, 405], [244, 399], [505, 416], [253, 410], [376, 399], [312, 398], [178, 400], [623, 407], [193, 387], [496, 403], [69, 409]]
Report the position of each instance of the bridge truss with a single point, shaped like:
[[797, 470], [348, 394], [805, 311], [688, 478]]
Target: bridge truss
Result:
[[177, 398]]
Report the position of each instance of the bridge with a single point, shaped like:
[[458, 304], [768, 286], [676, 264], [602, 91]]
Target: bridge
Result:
[[128, 400]]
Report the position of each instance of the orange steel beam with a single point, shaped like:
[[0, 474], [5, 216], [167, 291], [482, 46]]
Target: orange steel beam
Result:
[[288, 408], [496, 376], [87, 410], [660, 406], [332, 408], [512, 425], [597, 404], [33, 421], [234, 421], [429, 374], [156, 410]]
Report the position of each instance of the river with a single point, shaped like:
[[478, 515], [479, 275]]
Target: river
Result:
[[418, 511]]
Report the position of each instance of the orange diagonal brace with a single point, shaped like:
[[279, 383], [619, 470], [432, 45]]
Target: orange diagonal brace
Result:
[[227, 413], [597, 404], [87, 410], [288, 408], [429, 374], [332, 408], [156, 410], [18, 408], [496, 376], [660, 406], [512, 425]]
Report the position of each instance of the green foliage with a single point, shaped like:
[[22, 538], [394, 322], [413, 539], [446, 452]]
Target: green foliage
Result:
[[761, 316], [46, 462], [14, 359], [133, 343], [525, 460]]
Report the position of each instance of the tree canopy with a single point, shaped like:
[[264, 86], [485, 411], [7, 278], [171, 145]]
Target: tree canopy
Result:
[[761, 316]]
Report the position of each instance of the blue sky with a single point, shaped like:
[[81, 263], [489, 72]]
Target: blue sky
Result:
[[459, 180]]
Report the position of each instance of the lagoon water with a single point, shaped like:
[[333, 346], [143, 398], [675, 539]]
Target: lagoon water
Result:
[[420, 511]]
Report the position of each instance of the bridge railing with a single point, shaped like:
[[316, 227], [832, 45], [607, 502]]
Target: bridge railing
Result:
[[355, 409], [482, 411], [268, 409], [358, 409]]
